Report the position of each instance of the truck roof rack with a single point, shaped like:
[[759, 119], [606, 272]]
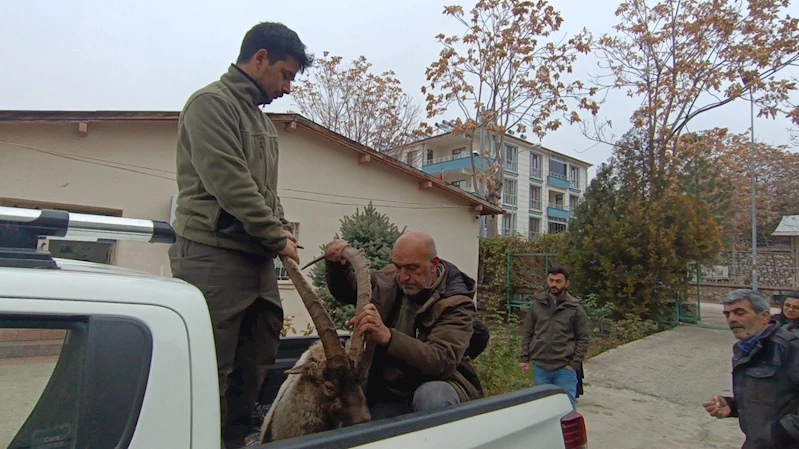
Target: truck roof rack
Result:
[[21, 229]]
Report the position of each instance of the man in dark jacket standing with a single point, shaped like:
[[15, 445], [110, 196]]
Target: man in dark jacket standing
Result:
[[765, 375], [421, 320], [229, 219], [555, 336]]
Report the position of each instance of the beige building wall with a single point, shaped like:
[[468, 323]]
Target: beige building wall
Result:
[[129, 166], [58, 166]]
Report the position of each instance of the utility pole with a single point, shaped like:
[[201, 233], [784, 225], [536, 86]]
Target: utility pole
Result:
[[754, 193], [479, 186]]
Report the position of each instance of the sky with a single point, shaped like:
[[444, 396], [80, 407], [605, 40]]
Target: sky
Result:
[[151, 55]]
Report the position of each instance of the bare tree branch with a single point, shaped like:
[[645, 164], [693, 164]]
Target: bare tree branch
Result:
[[507, 73], [686, 58], [351, 100]]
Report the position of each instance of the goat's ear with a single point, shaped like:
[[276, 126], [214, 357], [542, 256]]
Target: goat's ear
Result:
[[297, 369], [310, 369]]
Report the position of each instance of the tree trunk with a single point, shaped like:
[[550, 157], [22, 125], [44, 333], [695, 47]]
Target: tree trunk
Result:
[[473, 178], [491, 225], [494, 196]]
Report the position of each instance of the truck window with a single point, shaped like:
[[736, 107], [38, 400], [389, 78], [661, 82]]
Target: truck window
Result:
[[71, 382]]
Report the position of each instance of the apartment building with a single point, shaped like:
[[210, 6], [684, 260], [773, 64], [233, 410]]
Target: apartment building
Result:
[[541, 189]]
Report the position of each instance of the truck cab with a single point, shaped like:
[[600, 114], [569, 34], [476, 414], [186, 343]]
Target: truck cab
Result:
[[96, 356]]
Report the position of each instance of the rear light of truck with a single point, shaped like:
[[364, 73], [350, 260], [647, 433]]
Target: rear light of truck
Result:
[[574, 434]]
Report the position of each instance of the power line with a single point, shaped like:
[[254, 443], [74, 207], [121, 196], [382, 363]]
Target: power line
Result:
[[82, 159], [58, 153], [114, 164]]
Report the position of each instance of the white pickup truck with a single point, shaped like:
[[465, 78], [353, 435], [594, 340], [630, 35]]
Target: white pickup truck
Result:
[[97, 356]]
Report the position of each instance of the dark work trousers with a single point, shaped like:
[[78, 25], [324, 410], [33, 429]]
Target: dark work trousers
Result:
[[242, 295]]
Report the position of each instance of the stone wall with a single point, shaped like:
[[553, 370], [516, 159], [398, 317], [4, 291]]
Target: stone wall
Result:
[[775, 268], [714, 292]]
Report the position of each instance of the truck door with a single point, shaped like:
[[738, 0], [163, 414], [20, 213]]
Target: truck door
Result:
[[88, 374]]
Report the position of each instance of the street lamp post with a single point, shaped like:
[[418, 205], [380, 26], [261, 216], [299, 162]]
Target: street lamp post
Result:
[[754, 186]]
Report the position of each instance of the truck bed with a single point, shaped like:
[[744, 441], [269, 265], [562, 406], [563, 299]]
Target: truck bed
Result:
[[509, 421]]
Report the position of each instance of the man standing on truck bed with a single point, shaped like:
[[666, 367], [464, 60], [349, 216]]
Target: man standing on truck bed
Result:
[[421, 320], [555, 335], [229, 219]]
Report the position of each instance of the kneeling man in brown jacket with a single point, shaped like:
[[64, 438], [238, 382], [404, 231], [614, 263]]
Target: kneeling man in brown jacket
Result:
[[421, 320]]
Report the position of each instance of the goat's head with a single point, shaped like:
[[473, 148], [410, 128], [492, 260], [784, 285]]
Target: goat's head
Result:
[[342, 374], [350, 407]]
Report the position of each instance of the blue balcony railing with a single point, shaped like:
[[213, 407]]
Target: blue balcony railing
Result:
[[451, 164], [558, 211], [558, 180]]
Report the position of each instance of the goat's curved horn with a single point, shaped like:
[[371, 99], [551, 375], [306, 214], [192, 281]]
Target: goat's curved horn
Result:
[[334, 351], [362, 369], [363, 279]]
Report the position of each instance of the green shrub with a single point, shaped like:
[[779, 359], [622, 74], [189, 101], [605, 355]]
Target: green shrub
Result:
[[621, 332], [596, 312], [632, 328], [498, 365]]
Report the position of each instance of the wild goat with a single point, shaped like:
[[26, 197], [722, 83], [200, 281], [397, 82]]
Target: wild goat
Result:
[[325, 388]]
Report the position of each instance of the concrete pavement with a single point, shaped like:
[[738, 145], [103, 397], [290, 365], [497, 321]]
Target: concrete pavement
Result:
[[649, 393]]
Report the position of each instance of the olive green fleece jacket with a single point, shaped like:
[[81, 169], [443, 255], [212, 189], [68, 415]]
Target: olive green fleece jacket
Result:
[[227, 159], [555, 332]]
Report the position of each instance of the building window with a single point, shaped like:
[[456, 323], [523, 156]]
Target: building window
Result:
[[574, 176], [429, 157], [534, 228], [282, 274], [535, 166], [409, 158], [573, 202], [557, 168], [535, 197], [556, 201], [556, 225], [456, 153], [511, 159], [509, 224], [509, 190]]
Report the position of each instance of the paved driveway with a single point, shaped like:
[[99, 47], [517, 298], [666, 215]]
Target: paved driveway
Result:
[[649, 393]]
